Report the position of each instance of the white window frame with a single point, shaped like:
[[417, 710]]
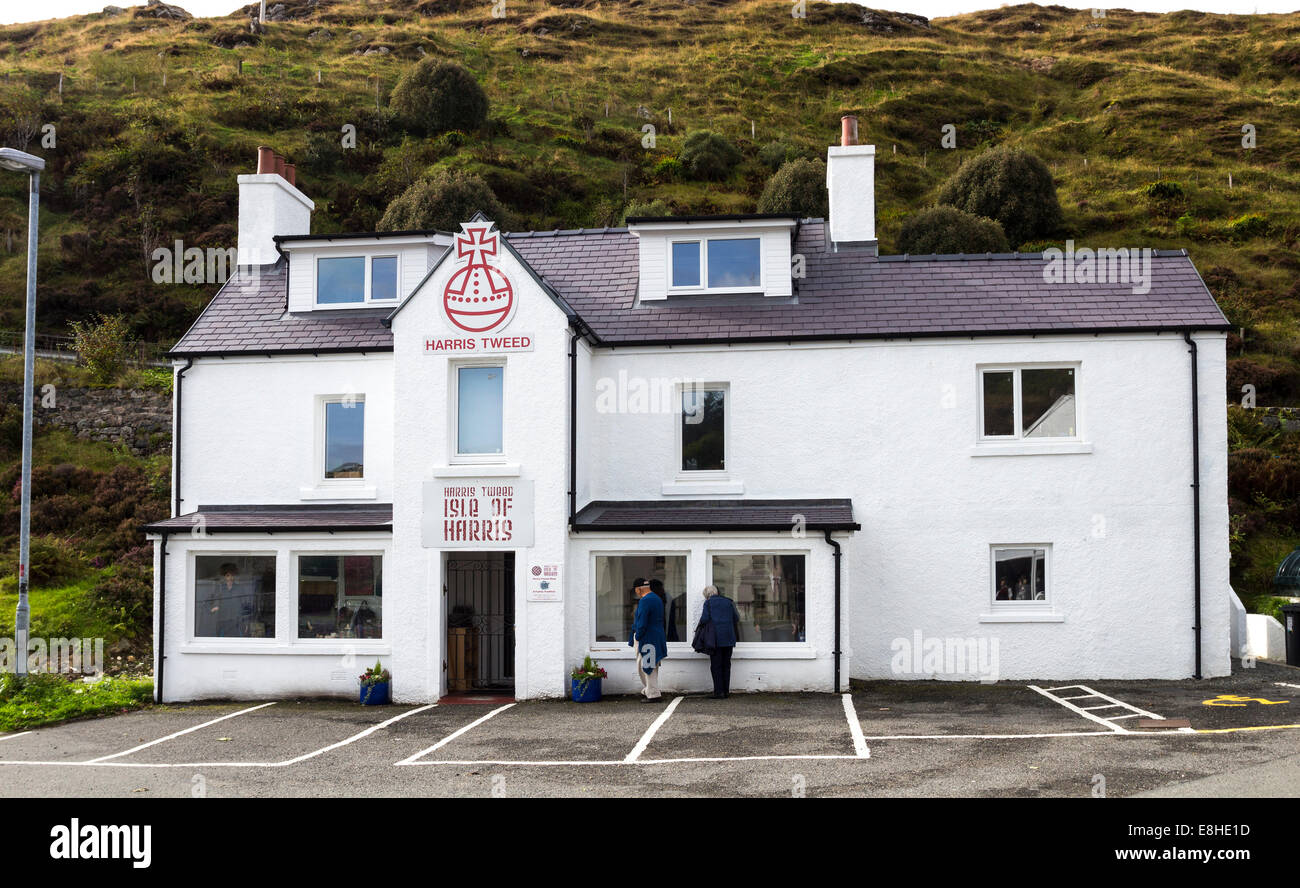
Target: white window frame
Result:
[[295, 558], [684, 474], [1018, 436], [1048, 604], [321, 431], [703, 242], [453, 413], [806, 554], [694, 597], [366, 299], [191, 601]]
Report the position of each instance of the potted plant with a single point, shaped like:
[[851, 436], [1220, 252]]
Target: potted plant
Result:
[[585, 681], [375, 682]]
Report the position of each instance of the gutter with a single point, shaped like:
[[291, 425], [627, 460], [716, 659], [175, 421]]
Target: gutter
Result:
[[161, 650], [838, 555], [1196, 500], [176, 440]]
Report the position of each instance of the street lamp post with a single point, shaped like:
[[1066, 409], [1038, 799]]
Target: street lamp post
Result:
[[20, 161]]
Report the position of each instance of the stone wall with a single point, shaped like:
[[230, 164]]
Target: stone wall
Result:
[[139, 418]]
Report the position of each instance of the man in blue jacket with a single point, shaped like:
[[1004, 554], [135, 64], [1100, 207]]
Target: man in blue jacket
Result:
[[647, 639]]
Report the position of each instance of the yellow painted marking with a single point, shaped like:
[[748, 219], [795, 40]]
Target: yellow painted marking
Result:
[[1255, 728], [1237, 700]]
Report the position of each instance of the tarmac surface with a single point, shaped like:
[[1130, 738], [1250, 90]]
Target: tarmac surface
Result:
[[1071, 739]]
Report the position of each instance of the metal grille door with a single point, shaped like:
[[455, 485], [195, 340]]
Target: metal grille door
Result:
[[481, 621]]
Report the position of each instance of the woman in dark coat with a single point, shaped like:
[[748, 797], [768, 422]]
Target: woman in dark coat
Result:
[[721, 623]]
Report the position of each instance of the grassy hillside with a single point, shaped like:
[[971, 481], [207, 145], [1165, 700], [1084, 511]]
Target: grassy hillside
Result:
[[156, 117]]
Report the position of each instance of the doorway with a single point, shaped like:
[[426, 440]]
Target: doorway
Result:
[[480, 648]]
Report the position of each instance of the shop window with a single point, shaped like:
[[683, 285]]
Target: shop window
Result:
[[1019, 575], [615, 604], [234, 596], [345, 438], [340, 596], [1028, 403], [768, 591], [480, 410], [704, 429]]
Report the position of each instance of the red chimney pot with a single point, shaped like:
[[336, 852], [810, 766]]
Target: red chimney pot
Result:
[[849, 129]]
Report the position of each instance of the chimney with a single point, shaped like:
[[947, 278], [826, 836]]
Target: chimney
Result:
[[851, 182], [270, 204]]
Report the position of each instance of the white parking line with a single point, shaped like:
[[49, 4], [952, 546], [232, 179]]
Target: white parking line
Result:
[[12, 736], [855, 728], [650, 732], [453, 735], [1112, 703], [355, 737], [104, 758]]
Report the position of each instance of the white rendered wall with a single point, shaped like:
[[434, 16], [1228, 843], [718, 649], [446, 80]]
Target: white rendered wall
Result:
[[869, 421], [851, 183], [249, 429], [269, 206], [536, 449]]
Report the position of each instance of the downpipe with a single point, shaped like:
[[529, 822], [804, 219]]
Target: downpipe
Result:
[[1196, 497], [838, 554]]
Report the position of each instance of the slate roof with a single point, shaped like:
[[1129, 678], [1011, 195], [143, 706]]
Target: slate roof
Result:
[[844, 295], [272, 519], [737, 514]]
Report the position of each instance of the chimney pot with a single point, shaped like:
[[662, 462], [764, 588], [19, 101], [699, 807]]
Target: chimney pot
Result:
[[290, 173], [265, 160], [279, 166], [849, 129]]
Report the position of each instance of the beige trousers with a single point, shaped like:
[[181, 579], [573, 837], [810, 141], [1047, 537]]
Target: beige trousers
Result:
[[650, 682]]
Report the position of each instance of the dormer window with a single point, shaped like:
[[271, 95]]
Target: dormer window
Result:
[[356, 280], [724, 264]]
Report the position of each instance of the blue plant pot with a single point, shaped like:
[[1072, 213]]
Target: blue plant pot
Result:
[[589, 694], [374, 695]]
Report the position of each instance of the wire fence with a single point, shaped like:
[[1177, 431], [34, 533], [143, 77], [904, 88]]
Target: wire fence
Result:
[[62, 348]]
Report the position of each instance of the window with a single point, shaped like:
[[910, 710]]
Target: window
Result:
[[1019, 575], [351, 280], [1028, 403], [615, 603], [686, 264], [768, 591], [234, 596], [704, 429], [725, 263], [480, 410], [340, 596], [345, 438]]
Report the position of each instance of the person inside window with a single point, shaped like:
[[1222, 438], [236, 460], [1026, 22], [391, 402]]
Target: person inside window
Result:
[[1004, 590]]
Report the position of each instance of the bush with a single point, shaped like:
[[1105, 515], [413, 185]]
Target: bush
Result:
[[443, 200], [943, 230], [433, 97], [1248, 226], [1164, 190], [774, 155], [1011, 186], [637, 209], [798, 187], [669, 169], [103, 346], [707, 155]]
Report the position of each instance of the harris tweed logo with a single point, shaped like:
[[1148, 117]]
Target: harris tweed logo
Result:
[[478, 298]]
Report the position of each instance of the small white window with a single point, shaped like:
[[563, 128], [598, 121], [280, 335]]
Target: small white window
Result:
[[479, 411], [1020, 576], [354, 280], [702, 431], [723, 264], [1028, 403]]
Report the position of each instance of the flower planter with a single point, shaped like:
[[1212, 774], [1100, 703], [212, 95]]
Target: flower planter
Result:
[[375, 694], [588, 694]]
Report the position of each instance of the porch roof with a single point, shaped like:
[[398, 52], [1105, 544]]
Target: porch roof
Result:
[[281, 518], [709, 515]]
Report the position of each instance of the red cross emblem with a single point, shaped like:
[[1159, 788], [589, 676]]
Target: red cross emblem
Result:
[[478, 297]]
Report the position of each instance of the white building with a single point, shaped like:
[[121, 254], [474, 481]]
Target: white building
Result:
[[453, 452]]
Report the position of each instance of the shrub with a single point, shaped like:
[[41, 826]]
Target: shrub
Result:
[[645, 208], [443, 200], [774, 155], [102, 346], [798, 187], [947, 230], [669, 169], [1164, 190], [1011, 186], [436, 96], [707, 155], [1248, 226]]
